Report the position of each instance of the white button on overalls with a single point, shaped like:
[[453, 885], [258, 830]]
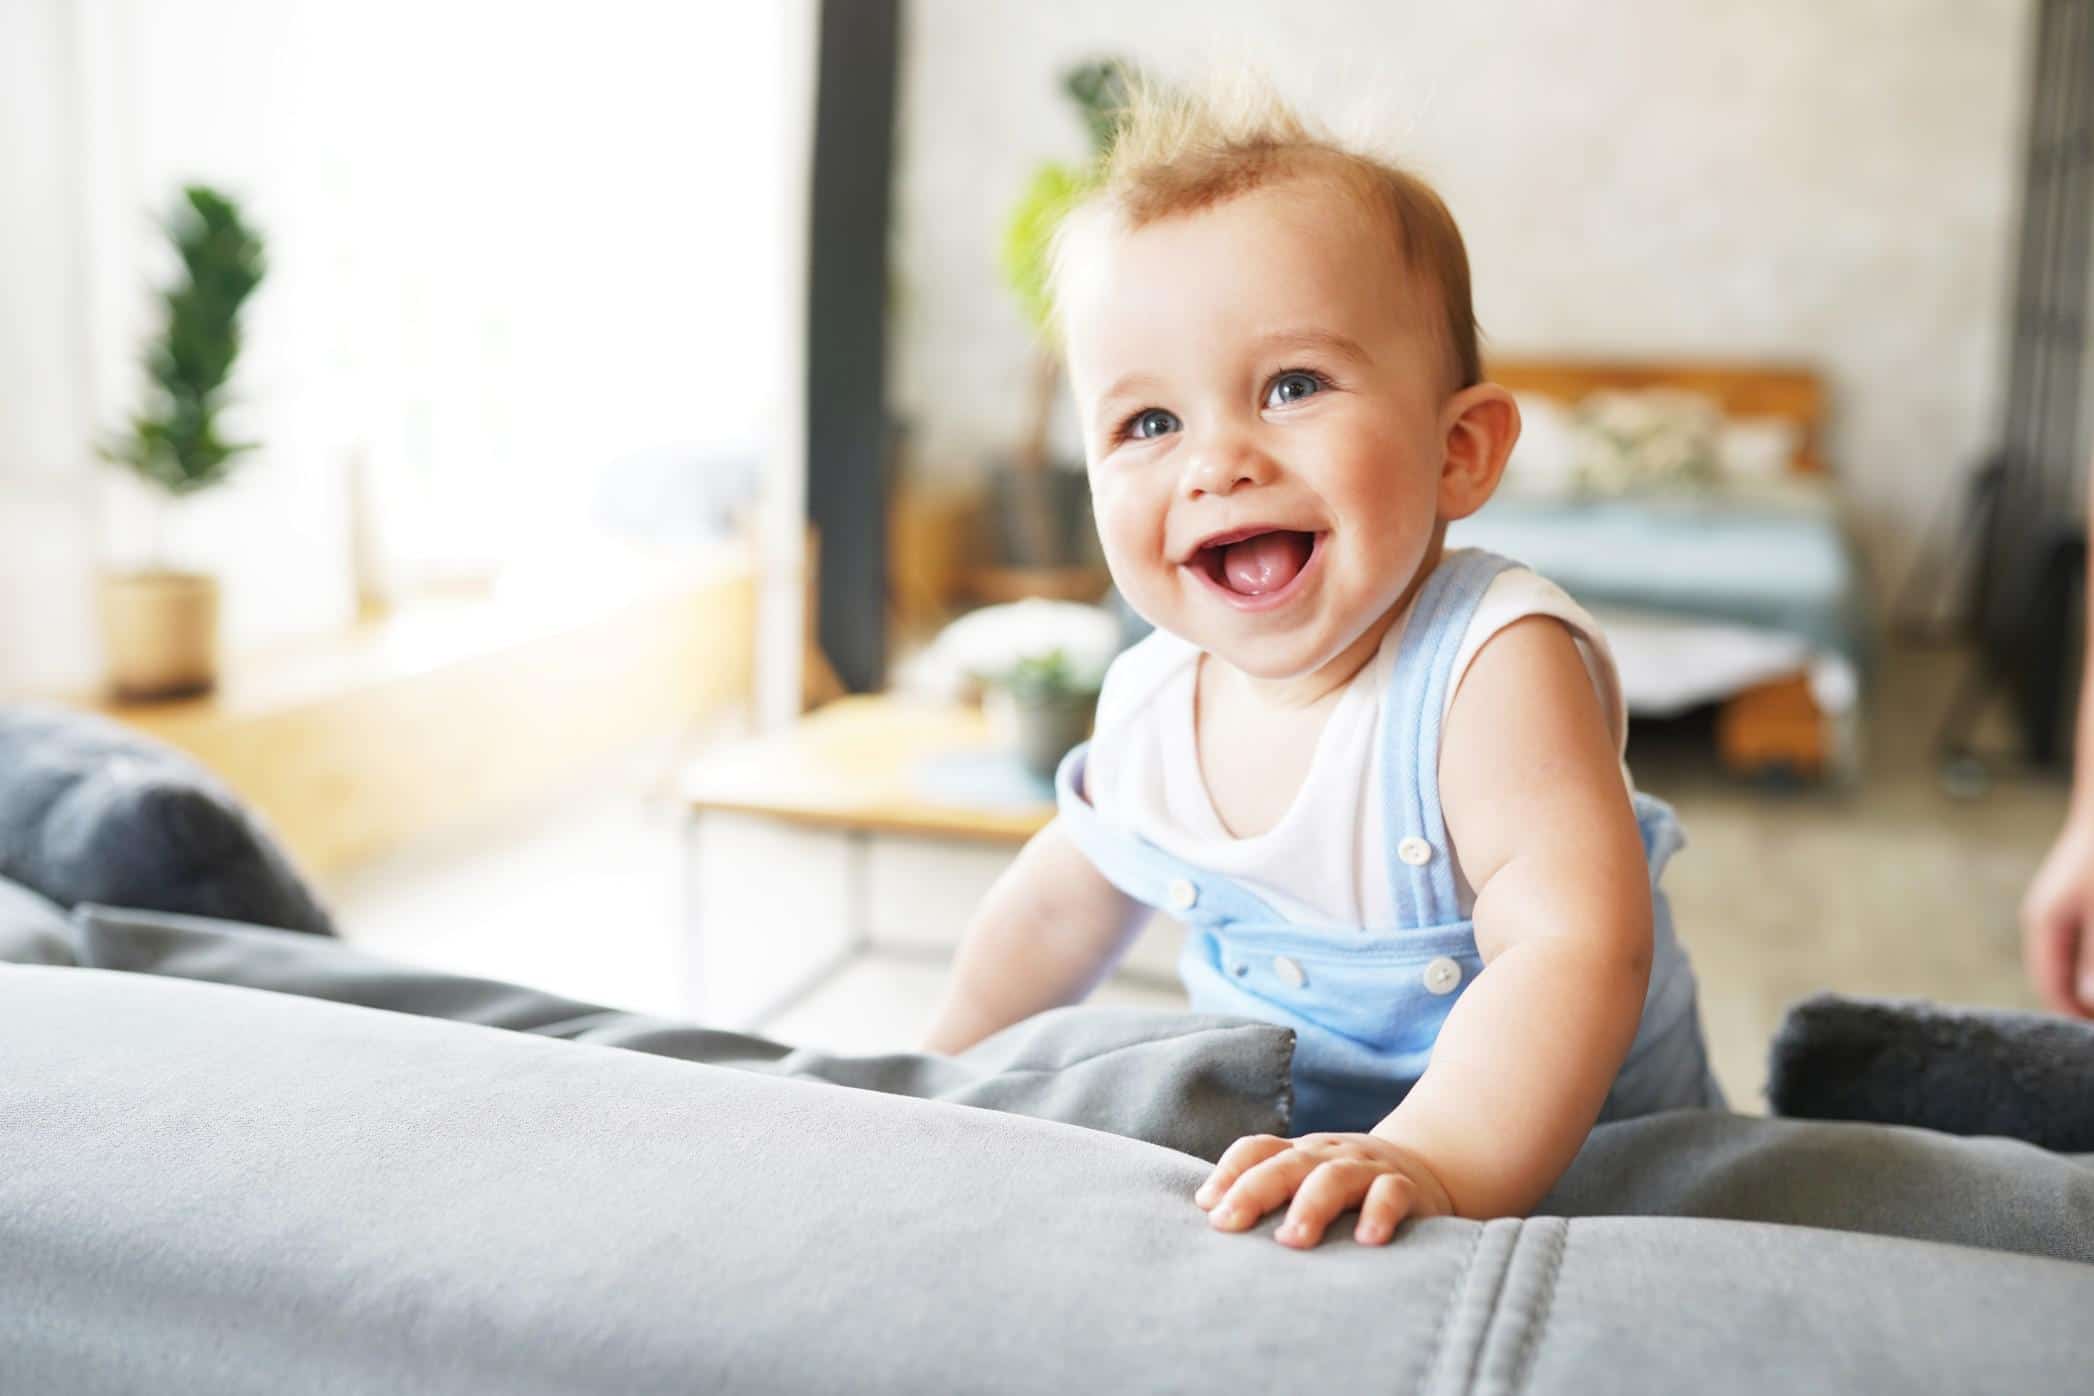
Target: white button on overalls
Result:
[[1442, 976], [1182, 893], [1416, 852], [1289, 971]]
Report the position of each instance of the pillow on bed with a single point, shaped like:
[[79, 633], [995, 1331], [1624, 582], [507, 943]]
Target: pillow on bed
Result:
[[1656, 441], [1758, 450], [1633, 443], [91, 811], [1188, 1082]]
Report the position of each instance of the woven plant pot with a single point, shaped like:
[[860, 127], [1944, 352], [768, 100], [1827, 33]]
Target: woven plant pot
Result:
[[160, 633]]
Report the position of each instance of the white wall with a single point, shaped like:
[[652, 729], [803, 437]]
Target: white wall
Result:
[[46, 520], [1833, 181], [508, 245]]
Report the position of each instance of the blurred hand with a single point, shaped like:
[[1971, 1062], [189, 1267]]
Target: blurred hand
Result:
[[2055, 946]]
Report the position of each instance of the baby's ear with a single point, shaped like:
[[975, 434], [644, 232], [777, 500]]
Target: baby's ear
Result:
[[1479, 425]]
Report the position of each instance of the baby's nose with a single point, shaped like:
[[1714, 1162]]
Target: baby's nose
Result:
[[1225, 468]]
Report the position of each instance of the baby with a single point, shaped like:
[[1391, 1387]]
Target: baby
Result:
[[1380, 782]]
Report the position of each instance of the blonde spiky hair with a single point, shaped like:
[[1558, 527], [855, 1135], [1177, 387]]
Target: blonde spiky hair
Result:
[[1180, 150]]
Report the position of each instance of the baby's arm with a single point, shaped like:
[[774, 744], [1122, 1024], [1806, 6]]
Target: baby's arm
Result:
[[1044, 936], [1531, 784]]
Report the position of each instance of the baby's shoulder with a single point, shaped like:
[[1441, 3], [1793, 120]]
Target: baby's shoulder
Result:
[[1126, 704], [1537, 662], [1519, 589], [1519, 593], [1138, 674]]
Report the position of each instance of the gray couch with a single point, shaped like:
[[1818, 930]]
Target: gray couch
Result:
[[240, 1160]]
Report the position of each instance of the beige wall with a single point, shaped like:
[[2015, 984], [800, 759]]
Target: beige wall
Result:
[[1827, 180]]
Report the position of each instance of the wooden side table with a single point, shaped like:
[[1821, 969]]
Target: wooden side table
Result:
[[873, 821], [868, 764]]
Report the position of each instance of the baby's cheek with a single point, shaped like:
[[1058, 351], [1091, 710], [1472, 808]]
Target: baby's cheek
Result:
[[1129, 535], [1138, 582]]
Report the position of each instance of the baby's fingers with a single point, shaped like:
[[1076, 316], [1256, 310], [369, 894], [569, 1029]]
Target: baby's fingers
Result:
[[1245, 1153], [1334, 1187], [1389, 1200], [1261, 1189]]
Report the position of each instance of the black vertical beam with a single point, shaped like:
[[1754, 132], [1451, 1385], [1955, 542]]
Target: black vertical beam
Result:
[[2029, 508], [847, 422], [2033, 536]]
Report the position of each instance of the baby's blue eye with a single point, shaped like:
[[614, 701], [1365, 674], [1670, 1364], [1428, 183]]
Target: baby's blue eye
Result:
[[1292, 387], [1151, 422]]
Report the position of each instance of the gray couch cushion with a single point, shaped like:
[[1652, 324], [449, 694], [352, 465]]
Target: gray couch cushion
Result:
[[1636, 1305], [91, 811], [213, 1189], [33, 931], [1998, 1194], [1188, 1082]]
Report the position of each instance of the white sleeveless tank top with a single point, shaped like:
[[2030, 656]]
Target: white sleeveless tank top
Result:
[[1325, 860]]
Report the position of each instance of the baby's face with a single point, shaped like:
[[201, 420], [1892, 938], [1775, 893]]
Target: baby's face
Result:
[[1262, 390]]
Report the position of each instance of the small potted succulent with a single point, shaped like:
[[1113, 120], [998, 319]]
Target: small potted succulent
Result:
[[160, 624], [1039, 665], [1053, 702]]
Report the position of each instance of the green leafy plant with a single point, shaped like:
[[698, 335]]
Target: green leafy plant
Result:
[[1046, 678], [173, 442], [1099, 90], [1028, 237]]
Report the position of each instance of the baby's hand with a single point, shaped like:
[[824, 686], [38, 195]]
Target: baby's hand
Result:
[[1325, 1174]]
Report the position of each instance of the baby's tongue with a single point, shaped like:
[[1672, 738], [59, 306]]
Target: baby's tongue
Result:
[[1265, 563]]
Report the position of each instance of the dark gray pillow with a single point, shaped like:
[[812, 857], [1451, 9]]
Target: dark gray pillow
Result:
[[1985, 1071], [1188, 1082], [91, 811]]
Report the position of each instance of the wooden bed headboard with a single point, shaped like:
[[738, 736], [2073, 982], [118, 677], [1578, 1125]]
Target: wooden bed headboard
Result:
[[1788, 391]]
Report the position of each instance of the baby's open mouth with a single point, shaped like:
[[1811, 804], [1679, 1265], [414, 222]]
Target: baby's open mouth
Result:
[[1256, 564]]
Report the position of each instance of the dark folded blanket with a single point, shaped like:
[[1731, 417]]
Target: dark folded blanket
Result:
[[1972, 1071]]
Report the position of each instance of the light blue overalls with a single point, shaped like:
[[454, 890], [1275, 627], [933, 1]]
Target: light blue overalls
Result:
[[1367, 1005]]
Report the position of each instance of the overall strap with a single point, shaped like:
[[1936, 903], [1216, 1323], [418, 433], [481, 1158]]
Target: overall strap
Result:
[[1421, 864], [1196, 896]]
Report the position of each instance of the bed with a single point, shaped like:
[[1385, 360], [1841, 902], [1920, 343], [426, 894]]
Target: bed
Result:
[[1729, 580]]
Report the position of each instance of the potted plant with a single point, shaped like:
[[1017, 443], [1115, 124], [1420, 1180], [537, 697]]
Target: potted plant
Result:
[[160, 624], [1039, 665], [1042, 513], [1053, 704]]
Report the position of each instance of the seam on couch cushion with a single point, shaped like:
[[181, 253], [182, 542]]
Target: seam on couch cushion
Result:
[[1283, 1049], [1501, 1302], [1528, 1300], [1457, 1344]]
